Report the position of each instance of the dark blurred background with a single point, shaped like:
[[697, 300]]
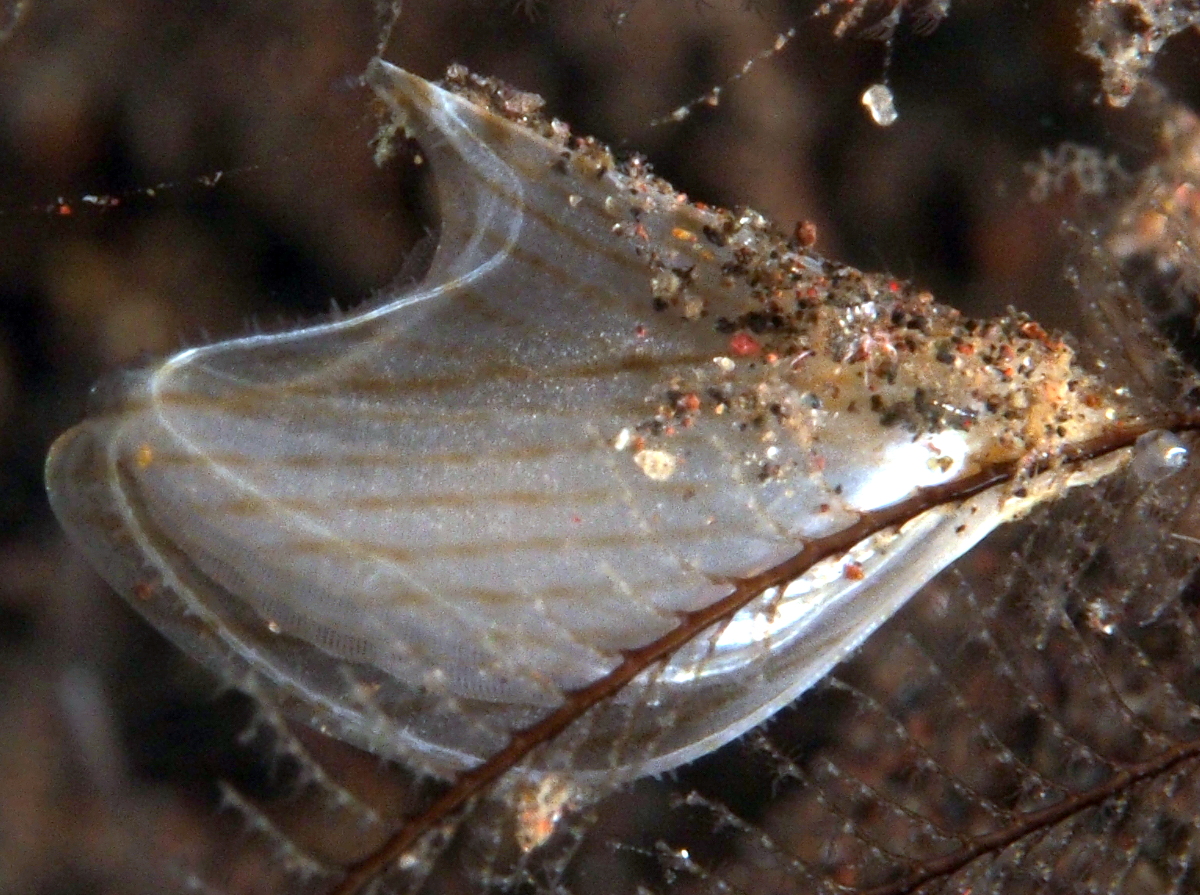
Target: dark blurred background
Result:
[[174, 173]]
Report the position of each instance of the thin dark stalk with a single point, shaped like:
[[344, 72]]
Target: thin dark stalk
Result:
[[470, 783]]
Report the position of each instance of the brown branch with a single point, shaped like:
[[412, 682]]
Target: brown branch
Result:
[[1038, 820], [633, 662]]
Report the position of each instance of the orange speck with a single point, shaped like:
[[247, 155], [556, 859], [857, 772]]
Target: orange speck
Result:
[[64, 209], [144, 456], [966, 348], [894, 286], [743, 345], [685, 235], [640, 331], [806, 233], [1031, 330], [854, 572], [143, 590], [690, 402]]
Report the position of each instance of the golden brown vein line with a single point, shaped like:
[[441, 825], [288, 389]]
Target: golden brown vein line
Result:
[[318, 461], [468, 549], [570, 501]]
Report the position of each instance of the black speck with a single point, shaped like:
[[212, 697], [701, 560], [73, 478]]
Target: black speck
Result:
[[757, 322], [768, 471]]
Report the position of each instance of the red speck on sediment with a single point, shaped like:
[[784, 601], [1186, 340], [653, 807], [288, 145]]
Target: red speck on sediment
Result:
[[743, 345]]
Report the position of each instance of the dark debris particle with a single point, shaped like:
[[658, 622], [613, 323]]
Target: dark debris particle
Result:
[[715, 236], [769, 471]]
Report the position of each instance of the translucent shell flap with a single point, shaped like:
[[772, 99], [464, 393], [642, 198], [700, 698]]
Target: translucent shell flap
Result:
[[420, 525]]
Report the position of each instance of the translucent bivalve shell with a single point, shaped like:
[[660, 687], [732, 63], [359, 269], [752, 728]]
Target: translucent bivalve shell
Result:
[[421, 525]]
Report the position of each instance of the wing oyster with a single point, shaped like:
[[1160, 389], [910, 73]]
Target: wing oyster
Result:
[[420, 525]]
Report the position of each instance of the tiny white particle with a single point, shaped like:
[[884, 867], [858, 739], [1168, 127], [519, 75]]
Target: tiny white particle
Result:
[[666, 284], [622, 440], [724, 364], [881, 104], [657, 465]]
